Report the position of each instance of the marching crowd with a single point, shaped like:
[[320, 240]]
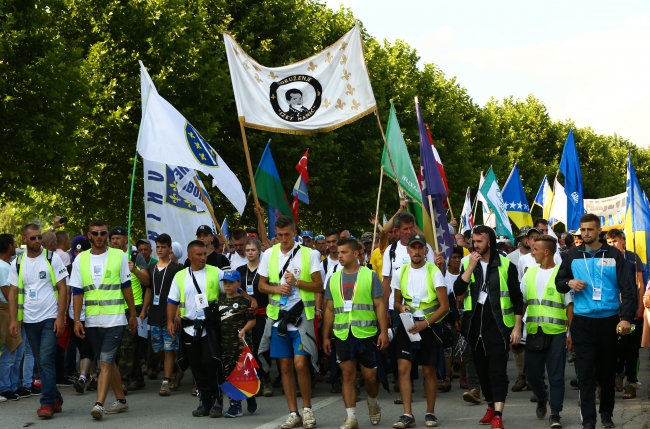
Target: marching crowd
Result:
[[355, 310]]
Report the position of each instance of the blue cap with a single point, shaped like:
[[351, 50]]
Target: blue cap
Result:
[[308, 234], [232, 275]]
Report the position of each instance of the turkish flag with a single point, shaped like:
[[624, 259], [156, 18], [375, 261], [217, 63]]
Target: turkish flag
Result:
[[294, 207]]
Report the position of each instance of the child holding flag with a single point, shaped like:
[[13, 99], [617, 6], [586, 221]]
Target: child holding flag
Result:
[[237, 324]]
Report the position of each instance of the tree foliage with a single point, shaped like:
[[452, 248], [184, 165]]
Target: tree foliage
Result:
[[70, 111]]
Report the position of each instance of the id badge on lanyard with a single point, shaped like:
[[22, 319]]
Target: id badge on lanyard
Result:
[[156, 299], [598, 294], [416, 301], [347, 306]]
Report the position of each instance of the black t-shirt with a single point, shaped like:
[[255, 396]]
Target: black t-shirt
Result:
[[215, 259], [248, 277], [161, 282]]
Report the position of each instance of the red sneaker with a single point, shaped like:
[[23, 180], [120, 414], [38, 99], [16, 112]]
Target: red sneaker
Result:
[[38, 383], [487, 418], [57, 405], [45, 412], [464, 383], [497, 422]]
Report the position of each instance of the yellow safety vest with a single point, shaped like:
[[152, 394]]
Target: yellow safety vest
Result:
[[507, 310], [550, 313], [308, 298], [21, 285], [428, 305], [136, 286], [362, 318], [211, 286], [108, 297]]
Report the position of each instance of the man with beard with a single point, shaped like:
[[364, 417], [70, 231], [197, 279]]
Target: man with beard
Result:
[[524, 245]]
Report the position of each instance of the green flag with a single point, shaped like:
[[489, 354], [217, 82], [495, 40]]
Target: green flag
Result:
[[492, 194], [406, 176], [268, 183]]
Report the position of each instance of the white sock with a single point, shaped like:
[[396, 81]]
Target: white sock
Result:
[[82, 377], [372, 401], [351, 412], [410, 415]]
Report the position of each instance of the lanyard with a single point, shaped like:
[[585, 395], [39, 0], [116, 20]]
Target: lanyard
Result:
[[153, 280], [286, 266], [254, 276], [196, 285], [584, 256], [354, 288]]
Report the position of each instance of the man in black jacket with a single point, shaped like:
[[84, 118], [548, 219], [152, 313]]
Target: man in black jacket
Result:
[[493, 308], [605, 301]]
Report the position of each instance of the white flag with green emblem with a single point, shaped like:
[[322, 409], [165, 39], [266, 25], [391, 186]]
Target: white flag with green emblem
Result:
[[320, 93], [492, 194]]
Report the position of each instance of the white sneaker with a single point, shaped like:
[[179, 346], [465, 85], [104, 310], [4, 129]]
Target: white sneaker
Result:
[[117, 407], [374, 411], [97, 412], [308, 418], [293, 421], [3, 399]]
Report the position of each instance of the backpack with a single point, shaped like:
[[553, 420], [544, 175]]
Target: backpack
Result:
[[48, 255]]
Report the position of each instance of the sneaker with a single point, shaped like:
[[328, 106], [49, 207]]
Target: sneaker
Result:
[[463, 383], [10, 396], [574, 382], [97, 412], [444, 386], [216, 412], [350, 423], [541, 410], [606, 419], [34, 391], [117, 407], [176, 379], [519, 384], [404, 422], [555, 421], [92, 386], [152, 375], [45, 412], [618, 384], [3, 399], [136, 385], [165, 388], [308, 418], [234, 410], [630, 391], [58, 405], [80, 385], [473, 396], [38, 383], [497, 422], [589, 425], [251, 405], [202, 410], [268, 388], [374, 412], [293, 421], [487, 418], [534, 398], [23, 392], [430, 420], [398, 400], [65, 383], [195, 391]]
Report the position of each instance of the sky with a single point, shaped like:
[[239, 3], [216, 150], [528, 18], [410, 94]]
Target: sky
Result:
[[588, 61]]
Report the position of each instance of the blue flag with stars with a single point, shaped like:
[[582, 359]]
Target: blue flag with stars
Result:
[[515, 200]]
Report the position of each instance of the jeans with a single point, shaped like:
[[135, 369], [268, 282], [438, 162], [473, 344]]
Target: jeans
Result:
[[554, 360], [28, 362], [10, 367], [42, 340]]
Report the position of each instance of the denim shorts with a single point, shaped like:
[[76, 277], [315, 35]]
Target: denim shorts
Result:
[[161, 340], [105, 342]]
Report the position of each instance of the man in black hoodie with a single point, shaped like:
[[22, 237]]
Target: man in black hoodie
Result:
[[493, 307]]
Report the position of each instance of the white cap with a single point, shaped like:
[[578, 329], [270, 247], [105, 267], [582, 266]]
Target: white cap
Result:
[[177, 249]]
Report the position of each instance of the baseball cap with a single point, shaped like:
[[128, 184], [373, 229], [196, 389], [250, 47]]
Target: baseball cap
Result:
[[533, 230], [366, 237], [307, 234], [417, 238], [118, 230], [232, 276], [204, 229], [142, 241], [320, 237]]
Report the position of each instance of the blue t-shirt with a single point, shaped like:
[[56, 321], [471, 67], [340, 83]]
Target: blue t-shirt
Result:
[[4, 276], [634, 264]]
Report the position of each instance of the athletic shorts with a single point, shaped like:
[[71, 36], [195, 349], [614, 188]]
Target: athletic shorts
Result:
[[161, 340], [427, 352], [363, 350], [105, 342], [84, 346], [287, 346]]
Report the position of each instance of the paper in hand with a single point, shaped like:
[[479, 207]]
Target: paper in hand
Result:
[[407, 321]]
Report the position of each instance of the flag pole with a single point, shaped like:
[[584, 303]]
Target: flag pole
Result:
[[390, 158], [209, 206], [250, 170], [433, 224], [476, 201], [552, 199], [449, 205], [135, 163], [374, 229]]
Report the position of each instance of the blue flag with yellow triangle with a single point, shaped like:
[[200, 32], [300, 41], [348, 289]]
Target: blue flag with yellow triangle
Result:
[[515, 199]]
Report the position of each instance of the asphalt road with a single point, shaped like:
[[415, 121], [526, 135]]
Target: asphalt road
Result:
[[148, 410]]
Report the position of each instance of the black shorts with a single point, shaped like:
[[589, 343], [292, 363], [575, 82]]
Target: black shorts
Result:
[[363, 350], [427, 354], [85, 347]]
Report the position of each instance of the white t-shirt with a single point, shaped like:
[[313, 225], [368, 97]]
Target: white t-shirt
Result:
[[190, 292], [65, 258], [237, 261], [97, 267], [450, 279], [541, 280], [417, 283], [332, 266], [401, 257], [527, 261], [514, 256], [295, 266], [40, 302], [484, 267]]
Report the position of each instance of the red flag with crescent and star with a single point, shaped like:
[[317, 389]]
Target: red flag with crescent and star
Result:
[[243, 382]]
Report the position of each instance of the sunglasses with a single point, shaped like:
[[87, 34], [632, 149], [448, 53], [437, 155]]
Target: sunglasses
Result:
[[35, 237], [96, 233]]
